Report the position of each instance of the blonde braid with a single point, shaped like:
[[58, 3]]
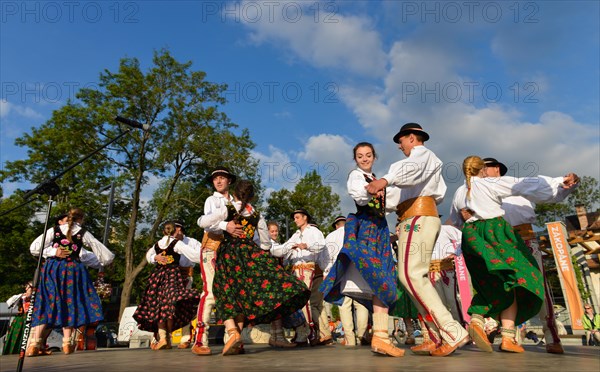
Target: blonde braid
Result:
[[168, 230], [472, 165]]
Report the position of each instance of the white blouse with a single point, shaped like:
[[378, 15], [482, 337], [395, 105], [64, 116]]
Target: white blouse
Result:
[[102, 256], [190, 251], [356, 188], [488, 193]]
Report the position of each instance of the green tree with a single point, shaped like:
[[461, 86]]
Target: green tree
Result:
[[586, 194], [188, 136], [311, 194]]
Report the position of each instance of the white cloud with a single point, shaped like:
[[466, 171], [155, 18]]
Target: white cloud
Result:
[[338, 40], [5, 107]]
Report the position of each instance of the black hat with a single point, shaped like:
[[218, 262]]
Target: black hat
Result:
[[338, 219], [179, 223], [221, 171], [302, 211], [409, 128], [491, 162], [60, 217]]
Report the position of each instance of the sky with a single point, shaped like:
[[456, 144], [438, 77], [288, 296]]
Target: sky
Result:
[[517, 81]]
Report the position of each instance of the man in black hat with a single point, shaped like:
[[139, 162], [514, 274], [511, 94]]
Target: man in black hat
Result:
[[301, 251], [220, 178], [420, 178]]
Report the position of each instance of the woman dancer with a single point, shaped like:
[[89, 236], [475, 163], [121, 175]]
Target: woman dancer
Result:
[[505, 274], [167, 304], [66, 296], [250, 286], [366, 252]]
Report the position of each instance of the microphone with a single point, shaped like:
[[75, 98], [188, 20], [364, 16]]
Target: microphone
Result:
[[132, 123]]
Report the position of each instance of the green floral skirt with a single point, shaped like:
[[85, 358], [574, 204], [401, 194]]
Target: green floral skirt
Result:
[[502, 268]]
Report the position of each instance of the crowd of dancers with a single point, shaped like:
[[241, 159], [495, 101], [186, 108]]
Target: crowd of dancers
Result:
[[249, 277]]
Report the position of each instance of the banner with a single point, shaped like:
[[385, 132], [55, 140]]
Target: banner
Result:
[[562, 255], [464, 285]]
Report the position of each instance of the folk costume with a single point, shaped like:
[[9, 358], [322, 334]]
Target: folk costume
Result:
[[520, 214], [249, 281], [419, 176], [213, 235], [501, 265], [305, 268], [66, 297], [166, 298]]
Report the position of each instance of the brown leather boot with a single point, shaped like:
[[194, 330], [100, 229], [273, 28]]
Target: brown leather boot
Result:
[[232, 347], [446, 349], [385, 347], [201, 350], [510, 345], [478, 336], [425, 348]]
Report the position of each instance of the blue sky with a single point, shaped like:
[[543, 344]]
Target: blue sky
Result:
[[518, 81]]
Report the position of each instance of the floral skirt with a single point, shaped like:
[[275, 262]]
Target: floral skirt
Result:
[[166, 298], [250, 282], [66, 296], [367, 246], [502, 268], [12, 344]]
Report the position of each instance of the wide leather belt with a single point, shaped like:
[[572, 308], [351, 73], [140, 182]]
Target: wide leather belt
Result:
[[304, 266], [419, 206], [211, 240]]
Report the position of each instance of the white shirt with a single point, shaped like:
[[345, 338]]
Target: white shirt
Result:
[[447, 243], [190, 250], [356, 188], [215, 204], [519, 210], [314, 240], [101, 255], [333, 245], [180, 247], [219, 215], [487, 195], [418, 175]]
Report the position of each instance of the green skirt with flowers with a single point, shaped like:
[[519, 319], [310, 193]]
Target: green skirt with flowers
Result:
[[502, 268]]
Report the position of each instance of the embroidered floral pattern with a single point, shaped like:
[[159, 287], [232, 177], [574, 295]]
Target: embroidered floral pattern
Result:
[[251, 282], [500, 263], [367, 246]]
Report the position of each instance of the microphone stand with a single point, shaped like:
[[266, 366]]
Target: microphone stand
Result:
[[49, 187]]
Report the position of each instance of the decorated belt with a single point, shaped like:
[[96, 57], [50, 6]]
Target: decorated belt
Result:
[[419, 206], [436, 266], [525, 231], [304, 266], [211, 240]]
